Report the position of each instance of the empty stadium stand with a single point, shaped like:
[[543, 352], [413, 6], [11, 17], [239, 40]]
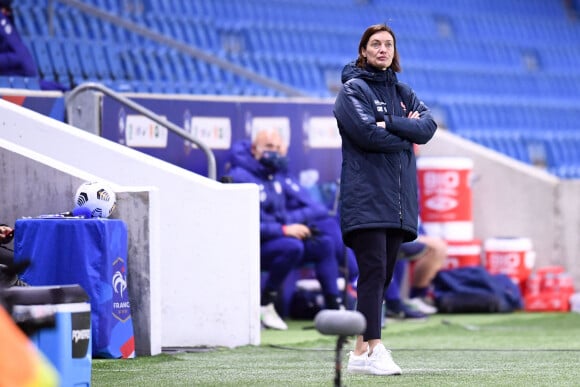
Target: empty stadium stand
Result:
[[505, 74]]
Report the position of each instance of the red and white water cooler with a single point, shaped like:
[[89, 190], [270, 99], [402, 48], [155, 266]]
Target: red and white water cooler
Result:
[[446, 198], [512, 256], [462, 254]]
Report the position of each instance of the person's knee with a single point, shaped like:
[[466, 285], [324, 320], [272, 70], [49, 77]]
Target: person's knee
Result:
[[294, 250], [437, 248], [327, 225], [439, 244], [324, 248], [289, 250]]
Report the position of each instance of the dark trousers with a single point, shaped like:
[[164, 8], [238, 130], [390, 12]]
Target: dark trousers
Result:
[[6, 256], [376, 253]]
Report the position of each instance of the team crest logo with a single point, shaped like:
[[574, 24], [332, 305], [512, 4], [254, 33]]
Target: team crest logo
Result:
[[121, 305]]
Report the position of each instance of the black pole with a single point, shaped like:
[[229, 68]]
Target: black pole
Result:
[[338, 360]]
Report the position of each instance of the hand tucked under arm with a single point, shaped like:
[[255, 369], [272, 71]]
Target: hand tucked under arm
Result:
[[296, 230], [357, 120], [415, 128]]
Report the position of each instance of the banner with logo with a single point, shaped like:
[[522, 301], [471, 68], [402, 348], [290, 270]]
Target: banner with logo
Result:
[[309, 128]]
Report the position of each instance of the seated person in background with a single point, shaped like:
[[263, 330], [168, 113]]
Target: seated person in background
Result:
[[7, 278], [345, 257], [395, 306], [428, 254], [288, 236], [303, 208], [426, 266], [15, 58], [6, 236]]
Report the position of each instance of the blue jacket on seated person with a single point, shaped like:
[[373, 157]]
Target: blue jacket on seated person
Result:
[[283, 203]]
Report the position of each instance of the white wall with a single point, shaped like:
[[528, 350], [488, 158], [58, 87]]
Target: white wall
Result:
[[208, 231], [49, 188]]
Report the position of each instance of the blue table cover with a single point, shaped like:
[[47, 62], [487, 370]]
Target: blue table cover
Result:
[[93, 254]]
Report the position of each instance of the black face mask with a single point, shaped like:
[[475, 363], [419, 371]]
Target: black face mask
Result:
[[274, 160]]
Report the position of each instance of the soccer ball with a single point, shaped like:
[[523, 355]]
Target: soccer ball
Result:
[[97, 197]]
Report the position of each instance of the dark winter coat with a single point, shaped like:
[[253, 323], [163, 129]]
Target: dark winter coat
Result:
[[379, 178]]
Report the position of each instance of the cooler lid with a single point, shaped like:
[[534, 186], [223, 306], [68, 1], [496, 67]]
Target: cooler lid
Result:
[[40, 295]]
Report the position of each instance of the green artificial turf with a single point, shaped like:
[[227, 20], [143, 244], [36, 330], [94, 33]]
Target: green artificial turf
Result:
[[517, 349]]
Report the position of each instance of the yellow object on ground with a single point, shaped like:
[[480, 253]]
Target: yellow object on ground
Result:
[[21, 364]]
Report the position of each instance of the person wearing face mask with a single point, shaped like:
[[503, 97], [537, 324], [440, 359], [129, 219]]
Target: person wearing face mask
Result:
[[288, 235], [379, 120]]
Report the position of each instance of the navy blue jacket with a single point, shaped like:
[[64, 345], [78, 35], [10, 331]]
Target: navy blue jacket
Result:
[[282, 199], [379, 178]]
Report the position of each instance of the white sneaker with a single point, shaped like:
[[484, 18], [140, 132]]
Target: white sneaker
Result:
[[380, 362], [357, 364], [270, 318], [421, 306]]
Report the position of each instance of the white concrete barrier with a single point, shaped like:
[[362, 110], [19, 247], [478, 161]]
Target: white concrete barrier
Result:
[[203, 237]]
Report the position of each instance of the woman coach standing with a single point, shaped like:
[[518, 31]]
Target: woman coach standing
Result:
[[379, 120]]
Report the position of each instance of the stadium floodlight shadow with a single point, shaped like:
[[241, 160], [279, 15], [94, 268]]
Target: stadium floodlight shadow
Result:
[[342, 323]]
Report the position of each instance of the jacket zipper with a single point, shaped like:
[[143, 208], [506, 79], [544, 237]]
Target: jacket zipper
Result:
[[391, 95], [400, 188]]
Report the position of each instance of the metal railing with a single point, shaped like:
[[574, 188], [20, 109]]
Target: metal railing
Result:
[[69, 99]]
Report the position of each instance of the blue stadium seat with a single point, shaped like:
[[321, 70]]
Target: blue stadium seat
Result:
[[63, 23], [94, 29], [157, 7], [23, 20], [39, 50], [5, 81], [152, 71], [473, 59], [110, 6], [187, 63], [111, 33], [112, 57], [122, 86], [57, 58], [33, 83], [85, 51], [128, 65], [39, 16], [102, 69], [206, 38], [158, 60]]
